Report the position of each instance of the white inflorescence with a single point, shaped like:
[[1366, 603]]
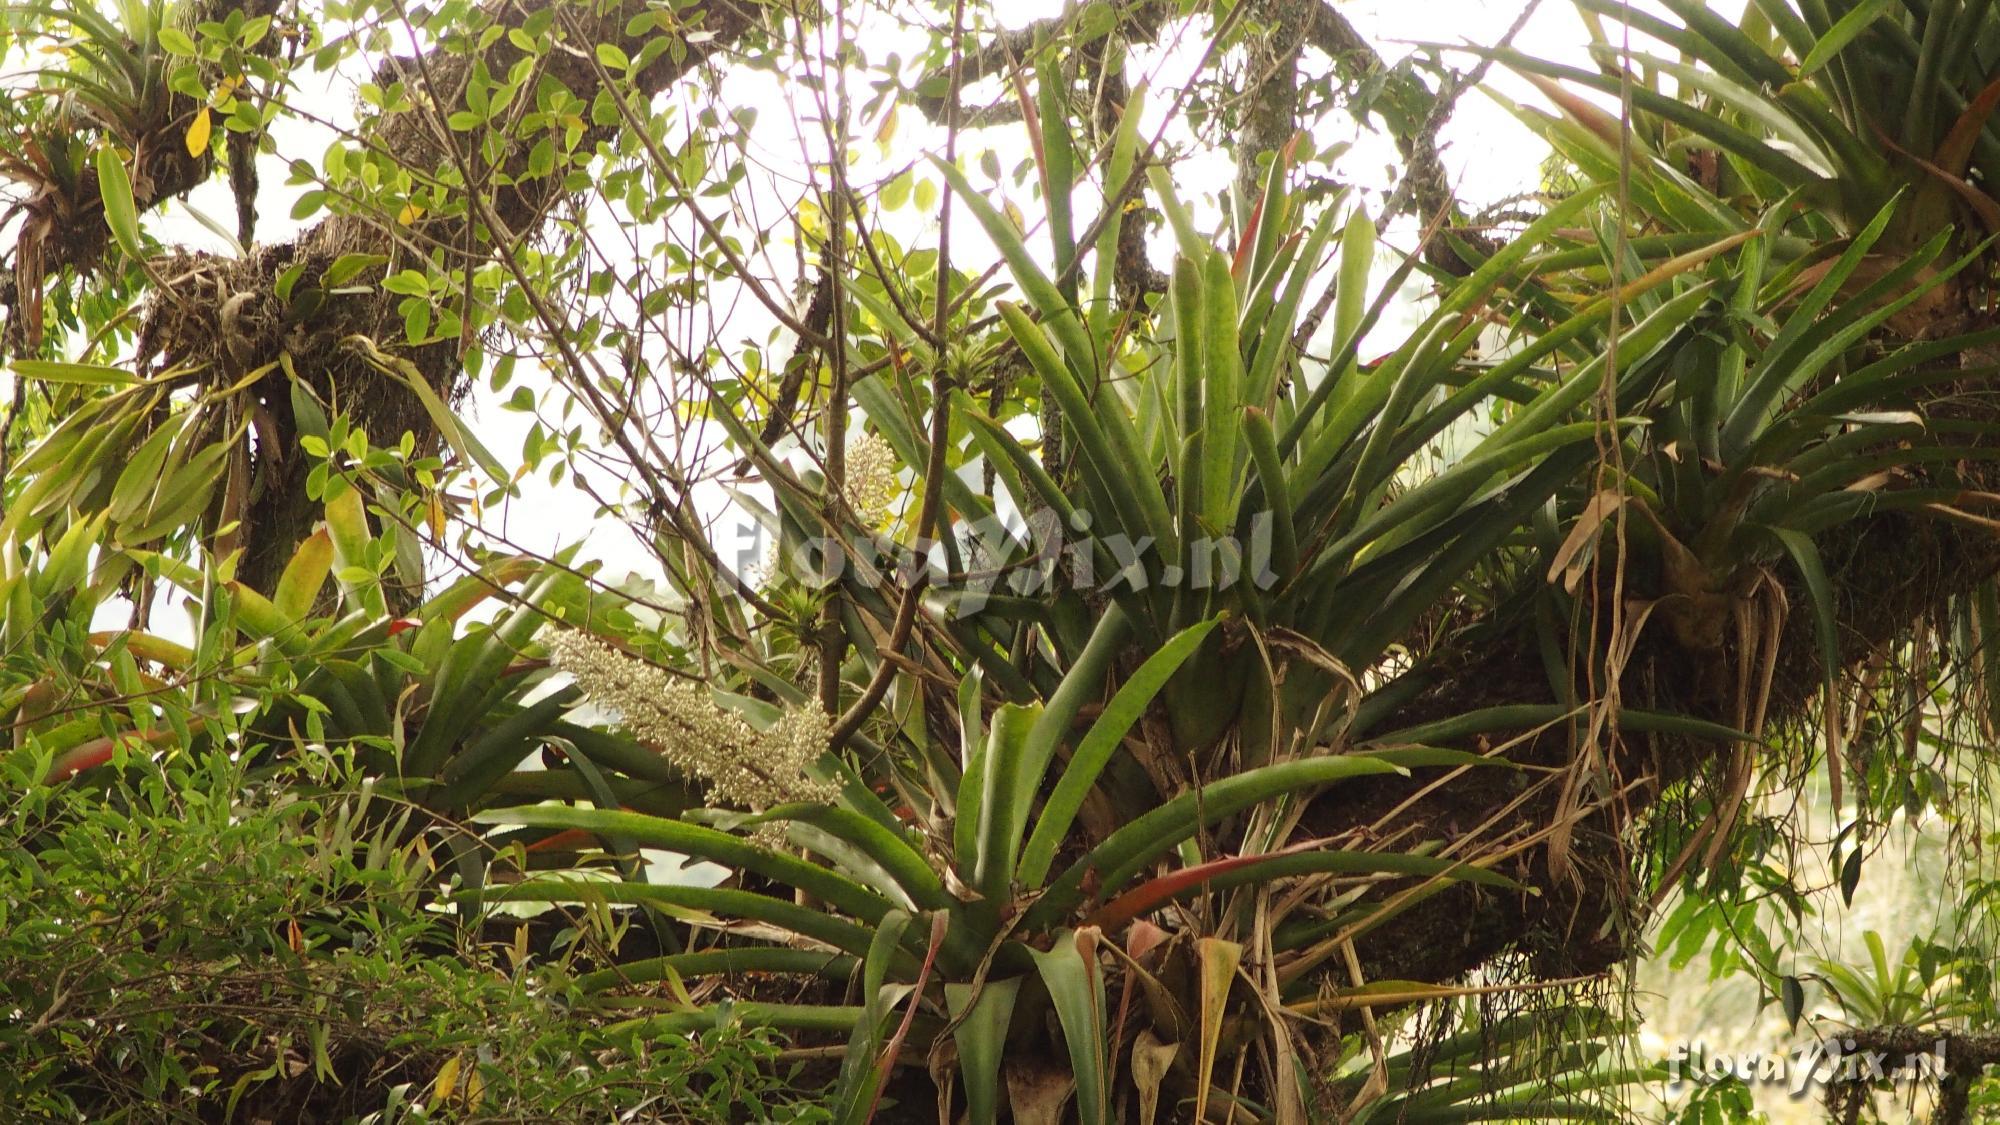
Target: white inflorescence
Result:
[[874, 487], [744, 767]]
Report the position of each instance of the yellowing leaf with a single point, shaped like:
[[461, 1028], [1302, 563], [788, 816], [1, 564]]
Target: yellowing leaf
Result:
[[198, 132], [1218, 960], [446, 1084], [299, 586], [1150, 1060], [409, 214], [679, 990]]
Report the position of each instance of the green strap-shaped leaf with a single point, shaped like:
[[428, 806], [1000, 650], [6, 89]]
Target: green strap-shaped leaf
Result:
[[982, 1013], [472, 771], [1082, 683], [725, 961], [1094, 752], [1105, 435], [491, 579], [896, 856], [81, 374], [1634, 344], [1746, 414], [1192, 245], [461, 438], [1819, 591], [1274, 215], [1117, 175], [1526, 716], [1263, 442], [702, 843], [1222, 388], [1190, 362], [744, 1013], [1057, 167], [1440, 497], [856, 1089], [1075, 982], [471, 673], [114, 186], [1735, 141], [1127, 851], [1028, 481], [719, 902], [1843, 32], [1000, 804], [1444, 333], [1274, 332], [1048, 302], [1840, 331]]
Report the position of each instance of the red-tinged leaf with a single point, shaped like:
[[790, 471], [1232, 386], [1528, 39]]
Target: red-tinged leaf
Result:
[[1246, 243], [1158, 891], [1305, 857], [1033, 122], [97, 751], [940, 927], [569, 839], [1954, 153], [74, 761], [1142, 939], [403, 624], [1982, 204], [1580, 110]]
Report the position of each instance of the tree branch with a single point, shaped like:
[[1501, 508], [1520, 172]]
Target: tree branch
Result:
[[1964, 1056], [306, 325], [1894, 571]]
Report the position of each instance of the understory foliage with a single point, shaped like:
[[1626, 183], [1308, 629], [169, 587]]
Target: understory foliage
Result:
[[1213, 652], [185, 943]]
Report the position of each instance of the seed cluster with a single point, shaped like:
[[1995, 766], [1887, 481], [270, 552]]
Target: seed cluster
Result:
[[743, 767]]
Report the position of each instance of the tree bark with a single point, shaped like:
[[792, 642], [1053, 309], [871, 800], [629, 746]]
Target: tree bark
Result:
[[240, 322], [1271, 107]]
